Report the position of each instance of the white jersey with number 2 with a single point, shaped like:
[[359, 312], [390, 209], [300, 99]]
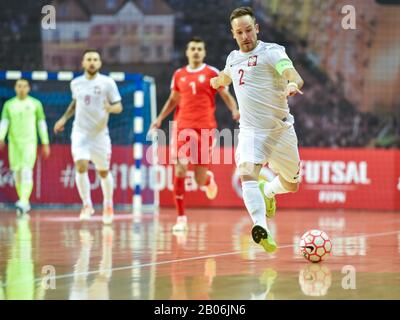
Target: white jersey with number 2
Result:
[[259, 88]]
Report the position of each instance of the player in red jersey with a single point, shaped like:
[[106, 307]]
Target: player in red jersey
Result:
[[194, 100]]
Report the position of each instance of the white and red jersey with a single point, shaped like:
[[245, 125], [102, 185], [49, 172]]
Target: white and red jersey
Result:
[[90, 95], [259, 88], [197, 98]]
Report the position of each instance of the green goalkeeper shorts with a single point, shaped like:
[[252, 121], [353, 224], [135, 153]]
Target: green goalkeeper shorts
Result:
[[22, 155]]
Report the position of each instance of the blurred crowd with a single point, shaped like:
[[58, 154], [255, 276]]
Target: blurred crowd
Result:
[[323, 116], [20, 45]]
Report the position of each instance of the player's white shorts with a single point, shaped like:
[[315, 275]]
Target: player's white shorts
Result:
[[96, 149], [277, 147]]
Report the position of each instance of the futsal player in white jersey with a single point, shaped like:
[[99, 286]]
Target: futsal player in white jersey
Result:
[[263, 77], [94, 96]]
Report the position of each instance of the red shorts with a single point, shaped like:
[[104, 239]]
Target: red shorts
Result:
[[192, 146]]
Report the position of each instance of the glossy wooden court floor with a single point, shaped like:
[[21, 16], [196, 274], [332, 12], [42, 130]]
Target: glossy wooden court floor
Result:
[[54, 256]]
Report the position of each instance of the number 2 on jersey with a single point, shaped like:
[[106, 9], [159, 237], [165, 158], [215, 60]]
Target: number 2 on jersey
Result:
[[241, 72]]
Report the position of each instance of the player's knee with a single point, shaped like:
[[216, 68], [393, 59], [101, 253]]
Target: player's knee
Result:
[[200, 179], [248, 172], [180, 171], [27, 175], [81, 167], [103, 174]]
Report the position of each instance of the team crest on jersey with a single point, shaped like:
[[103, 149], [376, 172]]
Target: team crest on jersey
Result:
[[252, 61], [97, 90], [183, 79], [202, 78]]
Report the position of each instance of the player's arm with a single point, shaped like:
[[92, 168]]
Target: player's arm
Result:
[[169, 106], [113, 103], [42, 128], [294, 81], [4, 124], [113, 107], [230, 102], [222, 80], [59, 126]]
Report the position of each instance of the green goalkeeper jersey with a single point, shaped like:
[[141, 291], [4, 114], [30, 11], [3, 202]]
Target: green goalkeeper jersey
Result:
[[23, 119]]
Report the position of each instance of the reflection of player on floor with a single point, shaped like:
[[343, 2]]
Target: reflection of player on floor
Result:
[[191, 92], [20, 272], [95, 96], [263, 77], [22, 117], [99, 289]]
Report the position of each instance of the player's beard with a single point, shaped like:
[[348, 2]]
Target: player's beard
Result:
[[247, 47], [92, 72]]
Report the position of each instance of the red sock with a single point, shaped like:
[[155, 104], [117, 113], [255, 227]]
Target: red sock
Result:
[[179, 194]]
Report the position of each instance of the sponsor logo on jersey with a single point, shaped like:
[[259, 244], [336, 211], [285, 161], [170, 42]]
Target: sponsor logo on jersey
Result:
[[252, 61]]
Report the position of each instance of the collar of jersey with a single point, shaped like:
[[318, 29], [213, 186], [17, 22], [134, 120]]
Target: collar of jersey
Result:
[[189, 69], [97, 75], [250, 52]]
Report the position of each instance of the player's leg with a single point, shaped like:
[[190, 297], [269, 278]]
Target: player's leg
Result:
[[100, 154], [81, 155], [255, 204], [249, 157], [205, 180], [22, 160], [26, 187], [83, 185], [107, 187], [203, 175], [14, 159], [17, 182], [179, 195], [29, 159], [285, 161]]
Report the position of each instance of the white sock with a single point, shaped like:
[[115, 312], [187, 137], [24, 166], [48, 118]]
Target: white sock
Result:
[[274, 187], [83, 185], [254, 203], [107, 186]]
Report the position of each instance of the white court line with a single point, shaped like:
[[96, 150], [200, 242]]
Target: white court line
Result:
[[143, 265]]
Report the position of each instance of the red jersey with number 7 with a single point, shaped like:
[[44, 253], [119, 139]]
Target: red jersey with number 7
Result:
[[196, 107]]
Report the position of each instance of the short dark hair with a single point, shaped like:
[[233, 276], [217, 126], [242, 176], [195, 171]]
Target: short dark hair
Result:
[[242, 11], [22, 79], [91, 50], [197, 40]]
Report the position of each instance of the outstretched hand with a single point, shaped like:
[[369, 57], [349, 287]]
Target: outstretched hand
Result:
[[292, 89]]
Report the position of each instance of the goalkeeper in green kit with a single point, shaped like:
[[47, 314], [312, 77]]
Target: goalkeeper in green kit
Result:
[[22, 117]]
